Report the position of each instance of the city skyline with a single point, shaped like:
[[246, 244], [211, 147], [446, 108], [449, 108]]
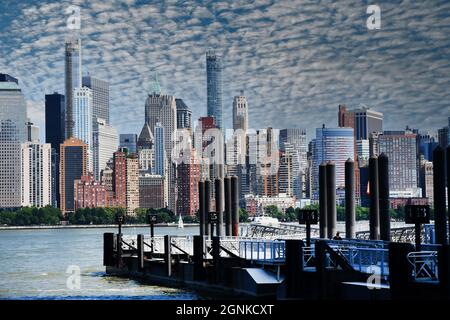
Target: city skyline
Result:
[[313, 72]]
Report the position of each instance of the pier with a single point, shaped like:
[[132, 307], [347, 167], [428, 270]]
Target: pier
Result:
[[300, 261]]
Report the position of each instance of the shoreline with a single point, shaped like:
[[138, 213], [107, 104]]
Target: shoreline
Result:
[[96, 226]]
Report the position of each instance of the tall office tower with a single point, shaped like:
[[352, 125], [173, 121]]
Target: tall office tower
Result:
[[366, 122], [152, 191], [160, 108], [400, 148], [443, 136], [32, 132], [36, 174], [119, 181], [13, 132], [146, 139], [104, 144], [132, 184], [285, 176], [188, 178], [332, 144], [100, 97], [425, 145], [72, 79], [426, 180], [55, 132], [129, 141], [240, 112], [184, 115], [214, 87], [82, 113], [293, 141], [73, 165], [90, 193], [160, 154]]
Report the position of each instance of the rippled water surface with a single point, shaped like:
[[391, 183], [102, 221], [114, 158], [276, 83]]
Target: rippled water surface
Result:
[[34, 265]]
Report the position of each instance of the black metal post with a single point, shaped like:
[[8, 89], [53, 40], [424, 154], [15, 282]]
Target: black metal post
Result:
[[440, 221], [384, 203], [108, 249], [350, 220], [374, 199], [219, 206], [417, 230], [227, 189], [207, 207], [331, 201], [199, 244], [201, 206], [308, 234], [294, 267], [323, 200], [140, 251], [152, 235], [168, 255], [235, 205]]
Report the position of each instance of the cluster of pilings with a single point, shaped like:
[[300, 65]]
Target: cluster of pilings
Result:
[[227, 206], [379, 196]]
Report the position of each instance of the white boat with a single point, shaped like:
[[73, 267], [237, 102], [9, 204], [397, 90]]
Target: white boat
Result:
[[180, 223]]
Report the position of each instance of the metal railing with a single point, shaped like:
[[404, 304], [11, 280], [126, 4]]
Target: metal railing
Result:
[[424, 265]]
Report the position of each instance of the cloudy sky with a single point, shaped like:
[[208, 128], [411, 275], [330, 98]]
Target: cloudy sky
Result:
[[296, 60]]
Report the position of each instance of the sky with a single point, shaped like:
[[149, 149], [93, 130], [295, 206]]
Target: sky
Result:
[[295, 60]]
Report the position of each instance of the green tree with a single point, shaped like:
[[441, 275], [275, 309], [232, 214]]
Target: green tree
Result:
[[243, 215]]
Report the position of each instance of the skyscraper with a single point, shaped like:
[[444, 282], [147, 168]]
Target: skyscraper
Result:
[[188, 178], [214, 87], [146, 139], [240, 112], [72, 78], [55, 111], [161, 108], [55, 132], [132, 184], [36, 174], [73, 165], [366, 122], [105, 143], [32, 132], [332, 144], [100, 97], [160, 154], [400, 148], [293, 141], [13, 132], [184, 115], [82, 113], [129, 141]]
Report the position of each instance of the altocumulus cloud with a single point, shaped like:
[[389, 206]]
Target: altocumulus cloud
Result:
[[296, 60]]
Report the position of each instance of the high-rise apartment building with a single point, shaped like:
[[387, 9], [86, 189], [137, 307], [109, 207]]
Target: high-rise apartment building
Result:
[[32, 131], [73, 71], [240, 112], [188, 178], [400, 148], [100, 97], [426, 180], [90, 193], [214, 87], [152, 191], [105, 143], [132, 184], [73, 165], [13, 132], [36, 174], [82, 113]]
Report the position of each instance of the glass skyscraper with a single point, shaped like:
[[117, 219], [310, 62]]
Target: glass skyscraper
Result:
[[214, 87], [100, 97], [335, 145], [82, 112], [159, 150], [13, 132], [72, 79]]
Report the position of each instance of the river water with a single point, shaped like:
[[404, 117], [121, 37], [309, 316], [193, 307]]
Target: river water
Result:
[[34, 264]]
